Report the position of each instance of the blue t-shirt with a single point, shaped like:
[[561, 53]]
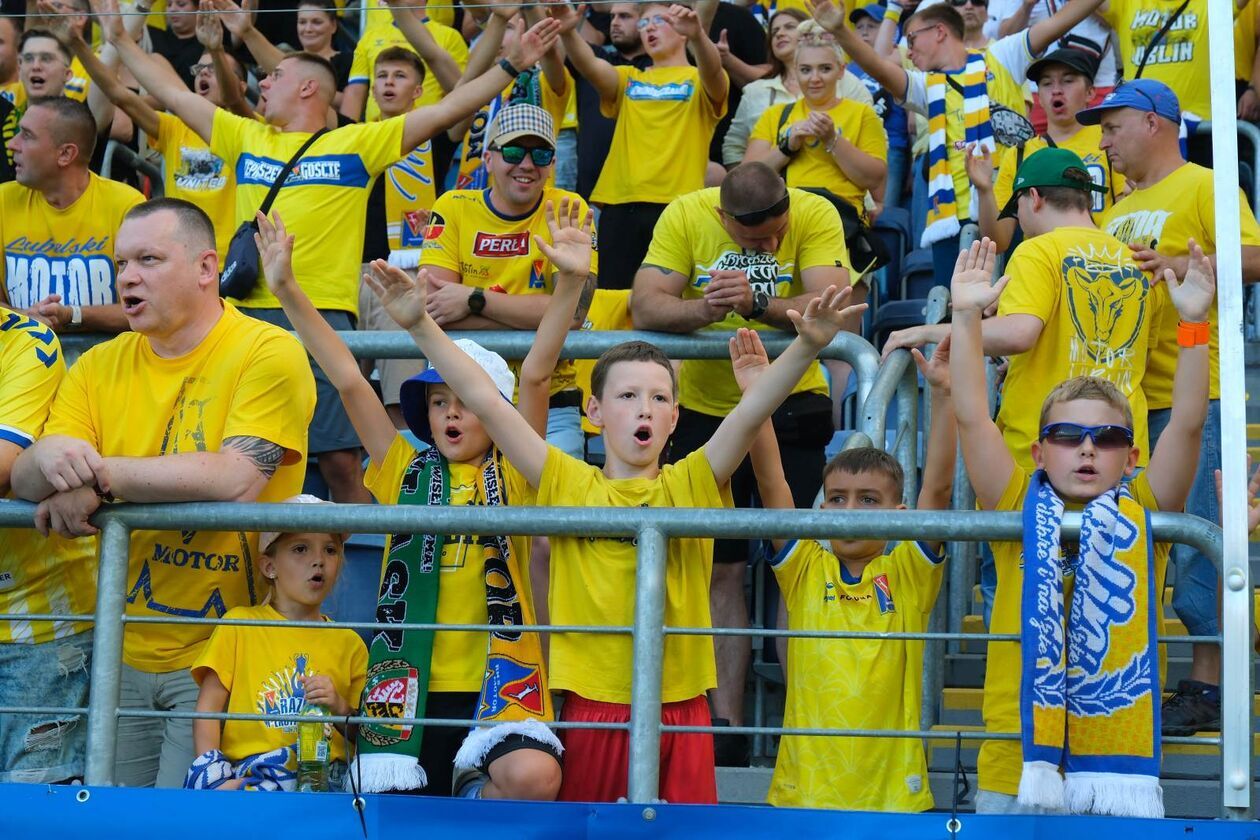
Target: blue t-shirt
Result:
[[893, 115]]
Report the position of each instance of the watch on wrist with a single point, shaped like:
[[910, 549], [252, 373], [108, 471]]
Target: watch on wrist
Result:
[[508, 68], [476, 301], [761, 302], [76, 315], [785, 145]]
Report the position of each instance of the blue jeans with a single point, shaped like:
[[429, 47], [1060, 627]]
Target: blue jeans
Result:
[[918, 201], [1194, 587], [46, 748], [566, 159], [564, 431], [894, 192]]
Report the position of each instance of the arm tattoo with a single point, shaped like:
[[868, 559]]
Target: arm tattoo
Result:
[[264, 454], [662, 269], [584, 300]]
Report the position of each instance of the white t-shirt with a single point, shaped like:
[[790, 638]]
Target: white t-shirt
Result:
[[1092, 28]]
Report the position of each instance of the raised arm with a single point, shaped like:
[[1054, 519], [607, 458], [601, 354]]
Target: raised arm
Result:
[[713, 78], [942, 443], [552, 61], [989, 462], [748, 362], [825, 316], [160, 81], [570, 252], [1046, 32], [105, 80], [981, 173], [367, 415], [890, 74], [1175, 458], [210, 35], [481, 59], [64, 29], [240, 22], [423, 123], [439, 61], [602, 75]]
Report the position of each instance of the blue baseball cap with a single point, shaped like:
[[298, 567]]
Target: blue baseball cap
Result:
[[1140, 94], [874, 11]]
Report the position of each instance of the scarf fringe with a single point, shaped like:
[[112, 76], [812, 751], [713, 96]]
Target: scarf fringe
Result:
[[940, 230], [481, 741], [1041, 786], [380, 772], [1113, 795], [405, 258]]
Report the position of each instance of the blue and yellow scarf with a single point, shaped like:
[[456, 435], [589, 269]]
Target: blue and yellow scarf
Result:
[[942, 218]]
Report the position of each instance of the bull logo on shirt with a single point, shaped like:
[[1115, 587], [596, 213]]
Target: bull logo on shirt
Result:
[[1106, 295]]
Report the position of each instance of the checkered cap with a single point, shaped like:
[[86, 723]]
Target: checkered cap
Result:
[[522, 120]]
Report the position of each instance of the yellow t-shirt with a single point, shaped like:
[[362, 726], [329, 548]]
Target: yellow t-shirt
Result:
[[489, 250], [570, 107], [195, 174], [260, 667], [1096, 306], [592, 580], [37, 574], [245, 378], [323, 202], [379, 38], [525, 88], [1085, 144], [379, 17], [689, 238], [668, 105], [831, 682], [459, 659], [1006, 61], [1168, 213], [1180, 59], [813, 166], [609, 310], [1001, 762], [66, 252], [1245, 41]]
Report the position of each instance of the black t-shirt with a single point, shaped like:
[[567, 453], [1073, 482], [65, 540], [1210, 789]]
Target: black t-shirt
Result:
[[341, 69], [182, 53], [748, 43], [8, 128], [595, 131]]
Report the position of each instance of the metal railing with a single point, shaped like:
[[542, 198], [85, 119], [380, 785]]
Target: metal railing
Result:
[[652, 529]]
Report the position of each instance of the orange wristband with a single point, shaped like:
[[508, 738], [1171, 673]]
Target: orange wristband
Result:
[[1190, 334]]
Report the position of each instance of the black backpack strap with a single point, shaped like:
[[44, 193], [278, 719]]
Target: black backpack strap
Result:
[[265, 207], [1159, 36]]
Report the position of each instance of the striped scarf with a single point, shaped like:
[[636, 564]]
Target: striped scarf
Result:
[[942, 218], [1089, 692]]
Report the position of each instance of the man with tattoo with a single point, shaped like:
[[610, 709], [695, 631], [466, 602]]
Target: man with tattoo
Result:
[[197, 403]]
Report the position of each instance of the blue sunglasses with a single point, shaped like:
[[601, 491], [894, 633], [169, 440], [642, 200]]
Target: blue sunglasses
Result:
[[1103, 437]]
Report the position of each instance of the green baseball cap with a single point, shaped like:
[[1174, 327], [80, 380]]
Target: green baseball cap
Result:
[[1047, 168]]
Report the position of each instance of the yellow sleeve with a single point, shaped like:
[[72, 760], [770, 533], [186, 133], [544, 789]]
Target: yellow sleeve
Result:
[[30, 358], [671, 243], [441, 237], [519, 493], [790, 567], [695, 473], [922, 569], [1034, 285], [275, 398], [219, 654], [71, 412], [379, 144], [165, 133], [767, 125], [1114, 14], [358, 671], [1005, 177], [453, 43], [230, 134], [564, 480], [872, 138], [623, 77], [360, 73], [822, 235], [383, 479]]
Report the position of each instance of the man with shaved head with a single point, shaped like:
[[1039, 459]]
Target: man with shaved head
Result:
[[324, 201], [196, 403], [58, 221]]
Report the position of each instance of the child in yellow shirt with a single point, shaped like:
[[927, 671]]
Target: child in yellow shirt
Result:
[[276, 671], [857, 585], [1082, 686], [634, 402]]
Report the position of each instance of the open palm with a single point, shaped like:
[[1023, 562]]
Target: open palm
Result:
[[972, 286], [571, 238], [1193, 296], [402, 297]]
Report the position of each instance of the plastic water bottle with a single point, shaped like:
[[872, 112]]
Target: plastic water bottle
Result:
[[312, 749]]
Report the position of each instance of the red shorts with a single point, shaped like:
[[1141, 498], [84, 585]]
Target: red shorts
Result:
[[1037, 115], [596, 760]]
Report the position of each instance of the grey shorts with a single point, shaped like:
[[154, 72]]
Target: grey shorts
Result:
[[330, 428], [392, 372]]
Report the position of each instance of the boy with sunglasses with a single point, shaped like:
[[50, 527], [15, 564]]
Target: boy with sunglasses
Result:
[[485, 270], [1085, 458]]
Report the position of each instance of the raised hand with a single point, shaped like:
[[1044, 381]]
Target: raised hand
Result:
[[532, 44], [936, 369], [569, 17], [402, 297], [972, 287], [234, 17], [571, 239], [831, 14], [275, 252], [748, 357], [209, 28], [107, 17], [685, 22], [1194, 295], [55, 21], [825, 316], [980, 168]]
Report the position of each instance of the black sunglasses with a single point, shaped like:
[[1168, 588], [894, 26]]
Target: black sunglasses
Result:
[[515, 154], [1103, 437], [983, 4], [756, 217]]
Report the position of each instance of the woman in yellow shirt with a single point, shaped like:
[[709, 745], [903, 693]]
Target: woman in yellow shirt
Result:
[[823, 141]]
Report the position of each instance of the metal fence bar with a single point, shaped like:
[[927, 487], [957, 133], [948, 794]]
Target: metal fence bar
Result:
[[649, 660], [107, 648]]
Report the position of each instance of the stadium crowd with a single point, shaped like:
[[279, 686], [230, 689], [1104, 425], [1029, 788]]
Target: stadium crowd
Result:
[[201, 180]]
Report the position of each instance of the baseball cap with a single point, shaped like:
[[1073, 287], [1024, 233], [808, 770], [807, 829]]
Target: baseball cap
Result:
[[874, 11], [1079, 60], [266, 538], [1142, 94], [411, 396], [1047, 168], [522, 120]]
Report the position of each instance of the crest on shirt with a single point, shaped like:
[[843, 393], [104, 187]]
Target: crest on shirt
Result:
[[537, 279], [437, 225], [1106, 296], [883, 594]]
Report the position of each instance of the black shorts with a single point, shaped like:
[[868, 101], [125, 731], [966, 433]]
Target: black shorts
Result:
[[804, 428]]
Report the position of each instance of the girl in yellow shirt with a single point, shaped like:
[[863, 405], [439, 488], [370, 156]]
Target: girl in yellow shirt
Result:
[[823, 141]]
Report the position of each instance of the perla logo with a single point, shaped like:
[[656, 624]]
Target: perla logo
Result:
[[679, 91]]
